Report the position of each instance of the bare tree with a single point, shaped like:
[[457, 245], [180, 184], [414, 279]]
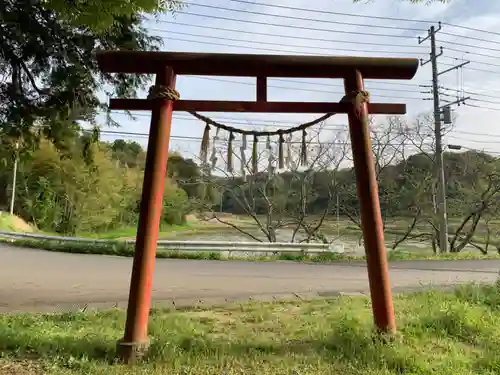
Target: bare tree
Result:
[[297, 201], [477, 204], [393, 142], [474, 199], [281, 201]]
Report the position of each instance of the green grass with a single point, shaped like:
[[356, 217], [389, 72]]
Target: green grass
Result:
[[130, 232], [439, 333], [120, 248], [166, 231]]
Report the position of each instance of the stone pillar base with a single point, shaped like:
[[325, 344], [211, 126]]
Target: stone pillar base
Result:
[[131, 352]]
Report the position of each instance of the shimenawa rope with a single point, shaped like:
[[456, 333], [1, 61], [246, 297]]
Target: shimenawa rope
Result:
[[357, 97]]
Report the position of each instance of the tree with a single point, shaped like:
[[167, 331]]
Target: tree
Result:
[[392, 143], [62, 192], [67, 195], [49, 76], [186, 174], [292, 203], [128, 153], [298, 203]]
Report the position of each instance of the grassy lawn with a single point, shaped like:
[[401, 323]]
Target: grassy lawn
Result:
[[166, 231], [439, 333], [130, 232]]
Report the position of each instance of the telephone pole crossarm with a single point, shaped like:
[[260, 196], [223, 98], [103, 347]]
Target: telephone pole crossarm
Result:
[[429, 33], [454, 67], [458, 101], [433, 57]]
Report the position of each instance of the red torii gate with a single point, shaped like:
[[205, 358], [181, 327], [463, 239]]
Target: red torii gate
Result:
[[166, 65]]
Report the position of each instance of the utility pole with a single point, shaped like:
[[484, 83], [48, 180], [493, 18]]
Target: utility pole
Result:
[[338, 217], [438, 134], [14, 180]]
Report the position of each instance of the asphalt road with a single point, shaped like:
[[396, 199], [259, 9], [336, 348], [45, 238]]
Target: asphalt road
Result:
[[36, 280]]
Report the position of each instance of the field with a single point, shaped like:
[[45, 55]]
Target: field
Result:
[[439, 333], [342, 229], [343, 232]]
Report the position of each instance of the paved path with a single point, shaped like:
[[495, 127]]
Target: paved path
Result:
[[39, 280]]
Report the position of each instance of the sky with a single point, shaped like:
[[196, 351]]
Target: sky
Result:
[[197, 28]]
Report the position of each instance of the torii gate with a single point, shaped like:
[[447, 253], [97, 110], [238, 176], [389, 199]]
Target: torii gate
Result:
[[166, 65]]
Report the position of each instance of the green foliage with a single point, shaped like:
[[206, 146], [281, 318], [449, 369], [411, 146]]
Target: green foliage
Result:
[[186, 174], [100, 16], [128, 153], [65, 193], [47, 65], [175, 205]]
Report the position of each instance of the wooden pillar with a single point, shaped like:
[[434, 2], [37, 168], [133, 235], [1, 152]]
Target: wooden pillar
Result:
[[371, 219], [135, 340]]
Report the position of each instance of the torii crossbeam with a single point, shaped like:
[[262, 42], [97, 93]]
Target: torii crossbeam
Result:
[[166, 65]]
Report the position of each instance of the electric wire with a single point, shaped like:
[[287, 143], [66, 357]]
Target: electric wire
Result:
[[305, 19], [279, 44]]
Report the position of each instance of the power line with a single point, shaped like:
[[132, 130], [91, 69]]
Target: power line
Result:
[[197, 138], [316, 39], [362, 25], [273, 123], [293, 51], [246, 121], [289, 26], [473, 61], [304, 89], [311, 53], [273, 50], [303, 18], [254, 122], [284, 87], [295, 37], [490, 89], [236, 46], [468, 45], [468, 28], [445, 42], [471, 38], [335, 13], [378, 82], [474, 140], [473, 53], [297, 46], [189, 138], [276, 44], [466, 92], [484, 101], [482, 107], [323, 11], [474, 69], [329, 30]]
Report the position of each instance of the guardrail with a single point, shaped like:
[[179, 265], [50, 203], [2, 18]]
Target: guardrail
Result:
[[198, 246]]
